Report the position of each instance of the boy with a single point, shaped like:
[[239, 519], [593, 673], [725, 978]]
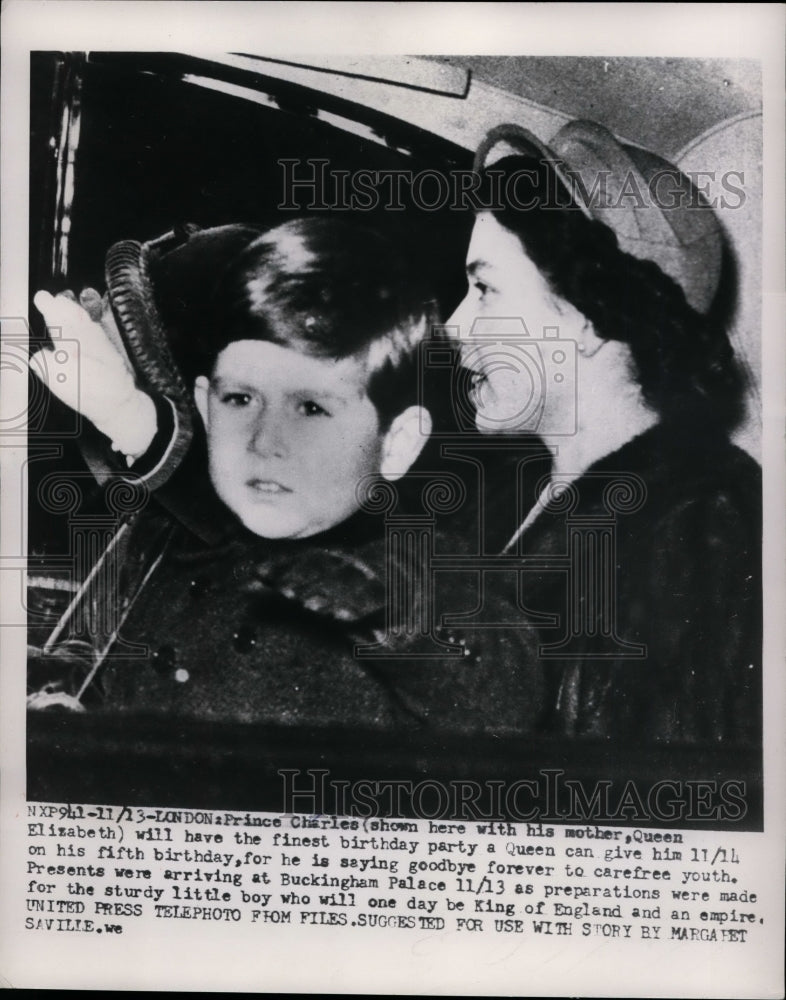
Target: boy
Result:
[[247, 604]]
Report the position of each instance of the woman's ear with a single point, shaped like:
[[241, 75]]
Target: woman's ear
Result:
[[589, 342], [201, 390], [404, 441]]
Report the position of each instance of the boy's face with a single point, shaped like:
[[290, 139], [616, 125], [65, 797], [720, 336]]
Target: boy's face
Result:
[[289, 437]]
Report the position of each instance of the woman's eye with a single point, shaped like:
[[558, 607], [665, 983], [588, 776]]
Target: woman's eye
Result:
[[311, 409], [481, 287]]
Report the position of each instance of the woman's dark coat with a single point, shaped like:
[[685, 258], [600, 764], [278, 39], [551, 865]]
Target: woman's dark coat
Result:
[[668, 647]]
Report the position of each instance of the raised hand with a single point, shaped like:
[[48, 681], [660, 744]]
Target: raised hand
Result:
[[94, 378]]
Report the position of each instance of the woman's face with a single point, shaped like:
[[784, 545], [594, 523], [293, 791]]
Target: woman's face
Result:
[[516, 337]]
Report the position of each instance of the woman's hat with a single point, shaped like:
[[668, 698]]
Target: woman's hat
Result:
[[656, 212]]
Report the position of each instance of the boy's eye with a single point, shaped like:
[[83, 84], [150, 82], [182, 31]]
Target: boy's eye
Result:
[[311, 409], [235, 399]]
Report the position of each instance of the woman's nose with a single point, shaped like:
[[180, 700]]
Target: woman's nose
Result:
[[459, 323], [267, 438]]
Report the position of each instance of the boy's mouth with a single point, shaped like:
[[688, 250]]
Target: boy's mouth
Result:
[[267, 487]]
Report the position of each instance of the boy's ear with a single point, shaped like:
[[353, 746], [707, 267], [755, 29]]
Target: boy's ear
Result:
[[404, 441], [201, 389]]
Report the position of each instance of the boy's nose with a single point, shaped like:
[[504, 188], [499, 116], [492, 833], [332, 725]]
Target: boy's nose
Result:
[[267, 438]]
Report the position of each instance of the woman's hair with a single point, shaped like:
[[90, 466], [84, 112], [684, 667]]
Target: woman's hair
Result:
[[329, 289], [684, 362]]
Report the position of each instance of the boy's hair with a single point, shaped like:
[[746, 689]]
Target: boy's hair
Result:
[[329, 289]]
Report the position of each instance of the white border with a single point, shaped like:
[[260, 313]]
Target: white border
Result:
[[695, 30]]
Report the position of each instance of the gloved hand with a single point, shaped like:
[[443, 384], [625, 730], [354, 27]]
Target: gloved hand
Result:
[[94, 378]]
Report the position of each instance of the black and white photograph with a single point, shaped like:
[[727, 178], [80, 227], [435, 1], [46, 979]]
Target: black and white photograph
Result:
[[389, 477]]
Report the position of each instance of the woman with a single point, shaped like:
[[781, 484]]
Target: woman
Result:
[[641, 551]]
